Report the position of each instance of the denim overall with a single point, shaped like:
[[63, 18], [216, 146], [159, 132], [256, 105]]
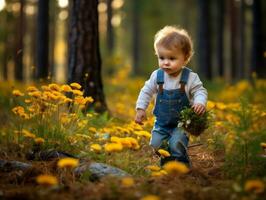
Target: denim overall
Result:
[[168, 105]]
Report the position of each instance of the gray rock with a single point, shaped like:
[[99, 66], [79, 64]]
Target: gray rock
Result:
[[98, 170], [8, 166]]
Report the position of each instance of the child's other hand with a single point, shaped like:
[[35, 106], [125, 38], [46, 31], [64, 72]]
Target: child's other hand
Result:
[[199, 109], [140, 116]]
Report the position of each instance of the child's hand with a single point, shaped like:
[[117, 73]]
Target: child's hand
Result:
[[140, 116], [199, 109]]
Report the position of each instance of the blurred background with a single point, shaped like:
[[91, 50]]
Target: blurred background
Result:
[[228, 35]]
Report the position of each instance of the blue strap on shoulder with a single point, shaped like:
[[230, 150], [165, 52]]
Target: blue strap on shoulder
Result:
[[160, 77], [185, 74]]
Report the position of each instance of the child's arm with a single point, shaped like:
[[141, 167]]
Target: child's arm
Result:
[[144, 98], [199, 94]]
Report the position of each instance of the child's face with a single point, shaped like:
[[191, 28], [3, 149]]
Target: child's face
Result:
[[171, 61]]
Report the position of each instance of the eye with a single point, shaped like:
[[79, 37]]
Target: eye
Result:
[[172, 58], [161, 58]]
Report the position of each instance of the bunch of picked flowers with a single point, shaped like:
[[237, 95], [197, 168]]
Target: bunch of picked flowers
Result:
[[193, 123]]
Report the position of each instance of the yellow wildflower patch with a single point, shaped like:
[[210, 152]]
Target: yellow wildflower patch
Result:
[[47, 180], [28, 134], [175, 167], [68, 163], [256, 186]]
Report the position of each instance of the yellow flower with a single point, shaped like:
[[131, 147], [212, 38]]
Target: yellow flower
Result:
[[145, 134], [28, 134], [256, 186], [113, 147], [127, 182], [263, 145], [36, 94], [68, 162], [175, 167], [150, 197], [153, 168], [89, 99], [48, 180], [18, 109], [66, 88], [92, 129], [39, 140], [220, 106], [54, 87], [96, 147], [32, 89], [210, 105], [77, 92], [75, 86], [17, 93], [164, 153]]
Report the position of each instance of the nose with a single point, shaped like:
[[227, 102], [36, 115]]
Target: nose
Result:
[[166, 61]]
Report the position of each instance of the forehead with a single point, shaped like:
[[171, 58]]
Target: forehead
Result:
[[163, 51]]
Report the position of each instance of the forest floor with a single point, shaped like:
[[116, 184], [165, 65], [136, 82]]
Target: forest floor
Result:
[[206, 180], [75, 133]]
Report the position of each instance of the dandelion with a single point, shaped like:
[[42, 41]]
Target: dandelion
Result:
[[175, 167], [17, 93], [54, 87], [75, 86], [164, 153], [127, 182], [68, 163], [96, 147], [153, 167], [92, 129], [256, 186], [66, 88], [113, 147], [47, 180], [28, 134], [210, 105], [150, 197], [31, 89], [77, 92], [263, 145], [39, 140]]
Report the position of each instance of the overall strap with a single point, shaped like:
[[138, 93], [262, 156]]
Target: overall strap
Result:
[[184, 78], [160, 79]]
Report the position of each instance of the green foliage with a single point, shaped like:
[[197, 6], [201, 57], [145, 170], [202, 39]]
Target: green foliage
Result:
[[193, 123], [243, 155]]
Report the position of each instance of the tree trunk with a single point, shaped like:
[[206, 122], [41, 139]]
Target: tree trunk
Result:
[[110, 31], [220, 37], [136, 37], [258, 59], [204, 39], [42, 39], [84, 52], [19, 49]]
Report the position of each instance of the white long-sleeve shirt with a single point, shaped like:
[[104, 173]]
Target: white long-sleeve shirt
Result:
[[194, 89]]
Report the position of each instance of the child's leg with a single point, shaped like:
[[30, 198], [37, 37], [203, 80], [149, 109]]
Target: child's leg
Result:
[[178, 143], [158, 136]]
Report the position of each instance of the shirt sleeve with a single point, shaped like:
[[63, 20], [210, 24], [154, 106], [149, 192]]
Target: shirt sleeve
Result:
[[147, 92], [197, 92]]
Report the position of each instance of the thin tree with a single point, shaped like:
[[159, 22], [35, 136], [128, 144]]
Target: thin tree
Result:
[[42, 39], [204, 39], [84, 52], [19, 43], [110, 31]]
